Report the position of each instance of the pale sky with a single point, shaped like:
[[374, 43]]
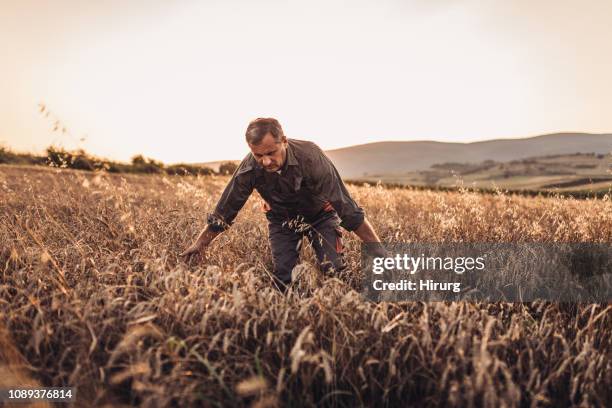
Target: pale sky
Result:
[[180, 80]]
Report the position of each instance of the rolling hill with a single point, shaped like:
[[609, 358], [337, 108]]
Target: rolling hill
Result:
[[394, 158], [554, 173]]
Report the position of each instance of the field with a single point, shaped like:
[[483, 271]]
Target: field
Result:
[[585, 172], [93, 296]]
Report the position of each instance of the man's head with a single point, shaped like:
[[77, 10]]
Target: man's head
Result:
[[267, 142]]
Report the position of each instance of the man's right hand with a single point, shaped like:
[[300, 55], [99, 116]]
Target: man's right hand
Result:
[[203, 240], [195, 248]]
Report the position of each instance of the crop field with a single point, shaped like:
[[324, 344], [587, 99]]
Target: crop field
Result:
[[94, 296]]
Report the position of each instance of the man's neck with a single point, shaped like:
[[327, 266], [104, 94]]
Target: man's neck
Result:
[[285, 160]]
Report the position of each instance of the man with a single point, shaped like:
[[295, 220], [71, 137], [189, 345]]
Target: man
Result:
[[304, 197]]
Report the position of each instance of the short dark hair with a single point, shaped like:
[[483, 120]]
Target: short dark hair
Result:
[[260, 127]]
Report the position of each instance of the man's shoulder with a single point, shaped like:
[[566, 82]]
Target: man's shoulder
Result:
[[302, 144], [246, 165], [304, 149]]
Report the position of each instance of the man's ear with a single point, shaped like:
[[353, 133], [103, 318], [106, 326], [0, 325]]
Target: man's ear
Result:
[[283, 139]]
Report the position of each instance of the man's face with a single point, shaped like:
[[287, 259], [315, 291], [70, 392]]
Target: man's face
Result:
[[269, 153]]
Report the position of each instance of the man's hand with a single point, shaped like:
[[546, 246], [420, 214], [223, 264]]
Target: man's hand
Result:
[[203, 240], [195, 248]]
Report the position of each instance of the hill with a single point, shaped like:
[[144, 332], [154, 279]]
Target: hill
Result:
[[559, 173], [395, 158]]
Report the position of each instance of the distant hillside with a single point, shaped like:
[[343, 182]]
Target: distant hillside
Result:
[[395, 158], [562, 173]]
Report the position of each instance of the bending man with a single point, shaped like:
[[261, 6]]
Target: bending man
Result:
[[304, 196]]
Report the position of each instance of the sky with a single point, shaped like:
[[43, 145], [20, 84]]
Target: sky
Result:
[[180, 80]]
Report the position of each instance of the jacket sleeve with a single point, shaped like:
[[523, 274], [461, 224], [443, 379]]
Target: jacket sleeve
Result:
[[328, 185], [232, 199]]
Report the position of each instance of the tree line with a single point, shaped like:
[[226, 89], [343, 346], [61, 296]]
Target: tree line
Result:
[[81, 160]]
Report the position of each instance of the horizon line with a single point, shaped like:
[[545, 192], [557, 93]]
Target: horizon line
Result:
[[5, 145]]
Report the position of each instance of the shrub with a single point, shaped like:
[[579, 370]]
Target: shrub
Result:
[[81, 161], [141, 164], [6, 156], [58, 157], [183, 169], [227, 168]]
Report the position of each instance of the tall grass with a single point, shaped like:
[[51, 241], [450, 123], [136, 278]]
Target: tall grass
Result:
[[92, 295]]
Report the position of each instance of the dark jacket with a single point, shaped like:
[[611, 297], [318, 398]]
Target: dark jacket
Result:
[[308, 186]]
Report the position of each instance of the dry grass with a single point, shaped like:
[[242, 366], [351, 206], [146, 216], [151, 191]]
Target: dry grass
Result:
[[93, 296]]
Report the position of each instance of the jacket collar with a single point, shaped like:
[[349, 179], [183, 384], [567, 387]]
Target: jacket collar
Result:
[[291, 160]]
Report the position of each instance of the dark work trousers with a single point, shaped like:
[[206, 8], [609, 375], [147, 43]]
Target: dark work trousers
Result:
[[285, 237]]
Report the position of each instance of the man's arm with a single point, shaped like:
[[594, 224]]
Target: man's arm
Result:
[[366, 232], [328, 185], [235, 194]]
